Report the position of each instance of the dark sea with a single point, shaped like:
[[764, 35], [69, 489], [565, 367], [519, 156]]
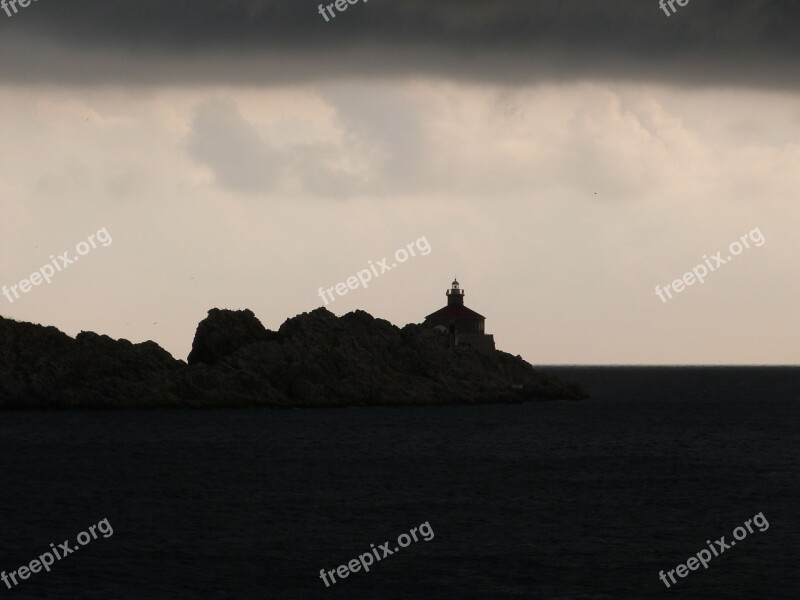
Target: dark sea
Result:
[[588, 499]]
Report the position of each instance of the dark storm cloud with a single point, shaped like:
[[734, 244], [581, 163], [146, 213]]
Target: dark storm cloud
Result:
[[747, 42]]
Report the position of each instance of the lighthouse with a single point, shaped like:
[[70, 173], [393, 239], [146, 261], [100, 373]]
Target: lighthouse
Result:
[[464, 328], [455, 295]]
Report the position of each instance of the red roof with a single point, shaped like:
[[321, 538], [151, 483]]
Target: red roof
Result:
[[456, 311]]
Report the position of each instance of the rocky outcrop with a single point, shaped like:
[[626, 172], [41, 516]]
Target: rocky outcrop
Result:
[[314, 359], [41, 367], [222, 333]]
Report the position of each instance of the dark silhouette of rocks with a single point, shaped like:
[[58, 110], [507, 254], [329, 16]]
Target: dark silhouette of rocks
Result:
[[223, 332], [314, 359], [43, 367]]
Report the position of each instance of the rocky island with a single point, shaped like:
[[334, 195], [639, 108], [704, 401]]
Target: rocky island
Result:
[[314, 359]]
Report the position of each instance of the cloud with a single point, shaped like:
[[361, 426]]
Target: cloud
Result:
[[410, 139], [381, 150], [242, 160], [222, 140], [502, 183], [270, 42]]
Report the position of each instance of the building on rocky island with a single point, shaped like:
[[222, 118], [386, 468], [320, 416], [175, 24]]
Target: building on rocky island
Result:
[[461, 328]]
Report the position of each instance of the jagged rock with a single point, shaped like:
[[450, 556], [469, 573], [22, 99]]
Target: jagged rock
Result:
[[222, 333], [43, 367], [314, 359]]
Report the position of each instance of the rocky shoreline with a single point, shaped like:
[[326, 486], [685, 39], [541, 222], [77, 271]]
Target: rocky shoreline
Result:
[[314, 359]]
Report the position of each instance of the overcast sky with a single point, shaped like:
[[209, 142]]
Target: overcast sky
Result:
[[562, 158]]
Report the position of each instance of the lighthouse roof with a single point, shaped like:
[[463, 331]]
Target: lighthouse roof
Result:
[[455, 311]]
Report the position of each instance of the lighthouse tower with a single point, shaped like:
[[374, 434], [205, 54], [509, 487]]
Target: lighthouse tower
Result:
[[455, 295]]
